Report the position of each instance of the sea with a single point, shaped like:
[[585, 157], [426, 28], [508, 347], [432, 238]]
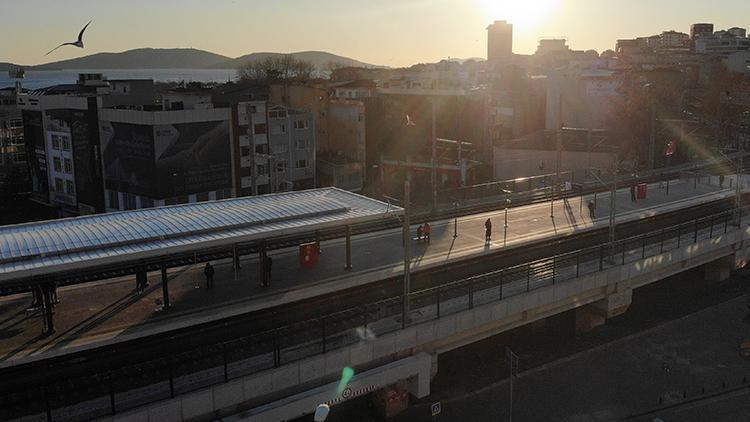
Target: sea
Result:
[[45, 78]]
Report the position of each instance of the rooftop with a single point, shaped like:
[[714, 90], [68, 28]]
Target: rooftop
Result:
[[44, 248]]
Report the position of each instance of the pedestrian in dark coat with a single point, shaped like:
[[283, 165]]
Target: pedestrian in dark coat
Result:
[[592, 209], [209, 271], [487, 230], [632, 193]]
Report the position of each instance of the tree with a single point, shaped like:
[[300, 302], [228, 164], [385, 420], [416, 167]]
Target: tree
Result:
[[274, 69]]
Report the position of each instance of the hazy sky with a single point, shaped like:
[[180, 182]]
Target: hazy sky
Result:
[[389, 32]]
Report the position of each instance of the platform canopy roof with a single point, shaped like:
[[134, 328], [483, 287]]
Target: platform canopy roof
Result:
[[42, 248]]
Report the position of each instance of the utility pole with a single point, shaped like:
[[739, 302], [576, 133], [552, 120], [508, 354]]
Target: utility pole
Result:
[[558, 164], [738, 193], [407, 253], [652, 141], [612, 208], [434, 156]]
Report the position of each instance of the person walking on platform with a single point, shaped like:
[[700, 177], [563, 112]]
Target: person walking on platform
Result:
[[592, 210], [141, 280], [487, 231], [721, 181], [632, 193], [209, 273], [420, 232], [427, 232]]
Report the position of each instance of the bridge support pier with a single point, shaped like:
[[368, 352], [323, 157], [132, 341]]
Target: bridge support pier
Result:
[[596, 314], [719, 270]]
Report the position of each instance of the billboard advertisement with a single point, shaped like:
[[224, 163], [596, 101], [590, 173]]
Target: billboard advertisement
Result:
[[166, 161], [36, 153], [192, 158], [129, 157], [82, 127]]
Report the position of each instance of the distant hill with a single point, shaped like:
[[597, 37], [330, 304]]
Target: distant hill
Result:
[[4, 67], [142, 58], [184, 58], [320, 59]]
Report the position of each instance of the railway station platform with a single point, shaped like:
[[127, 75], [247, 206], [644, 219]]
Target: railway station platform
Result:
[[109, 311]]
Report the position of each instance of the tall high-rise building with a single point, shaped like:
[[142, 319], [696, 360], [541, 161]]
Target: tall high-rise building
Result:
[[499, 41]]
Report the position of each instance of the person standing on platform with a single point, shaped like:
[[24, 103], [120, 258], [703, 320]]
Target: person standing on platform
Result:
[[209, 273], [427, 232], [487, 231], [721, 181], [592, 210], [632, 193], [420, 232]]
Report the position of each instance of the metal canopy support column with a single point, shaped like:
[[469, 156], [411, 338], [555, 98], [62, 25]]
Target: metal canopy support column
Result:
[[348, 248], [262, 256], [49, 321], [235, 261], [164, 287]]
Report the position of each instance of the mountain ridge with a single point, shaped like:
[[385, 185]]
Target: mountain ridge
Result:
[[186, 58]]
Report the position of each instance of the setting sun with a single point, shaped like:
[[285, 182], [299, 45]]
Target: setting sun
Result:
[[521, 14]]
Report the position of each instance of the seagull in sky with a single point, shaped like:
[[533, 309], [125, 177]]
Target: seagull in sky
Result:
[[78, 43], [409, 121]]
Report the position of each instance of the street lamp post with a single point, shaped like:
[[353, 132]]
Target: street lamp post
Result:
[[505, 226], [407, 253], [455, 220]]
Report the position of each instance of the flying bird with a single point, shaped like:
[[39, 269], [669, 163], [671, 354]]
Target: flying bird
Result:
[[78, 43], [409, 121]]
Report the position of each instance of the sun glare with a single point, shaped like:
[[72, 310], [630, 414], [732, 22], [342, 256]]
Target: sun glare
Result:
[[525, 14]]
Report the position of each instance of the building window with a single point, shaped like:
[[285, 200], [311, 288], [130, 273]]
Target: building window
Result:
[[59, 186], [261, 149], [280, 149], [361, 117], [66, 144], [114, 199], [260, 129], [69, 187], [57, 164], [277, 114], [245, 151], [281, 166], [68, 166], [262, 169], [301, 164], [301, 143], [56, 142], [300, 124], [279, 129]]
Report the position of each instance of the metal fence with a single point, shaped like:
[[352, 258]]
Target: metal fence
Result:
[[119, 389]]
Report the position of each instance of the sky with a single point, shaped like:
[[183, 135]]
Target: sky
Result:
[[384, 32]]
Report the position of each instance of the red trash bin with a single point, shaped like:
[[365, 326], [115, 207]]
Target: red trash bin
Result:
[[308, 255], [642, 191]]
